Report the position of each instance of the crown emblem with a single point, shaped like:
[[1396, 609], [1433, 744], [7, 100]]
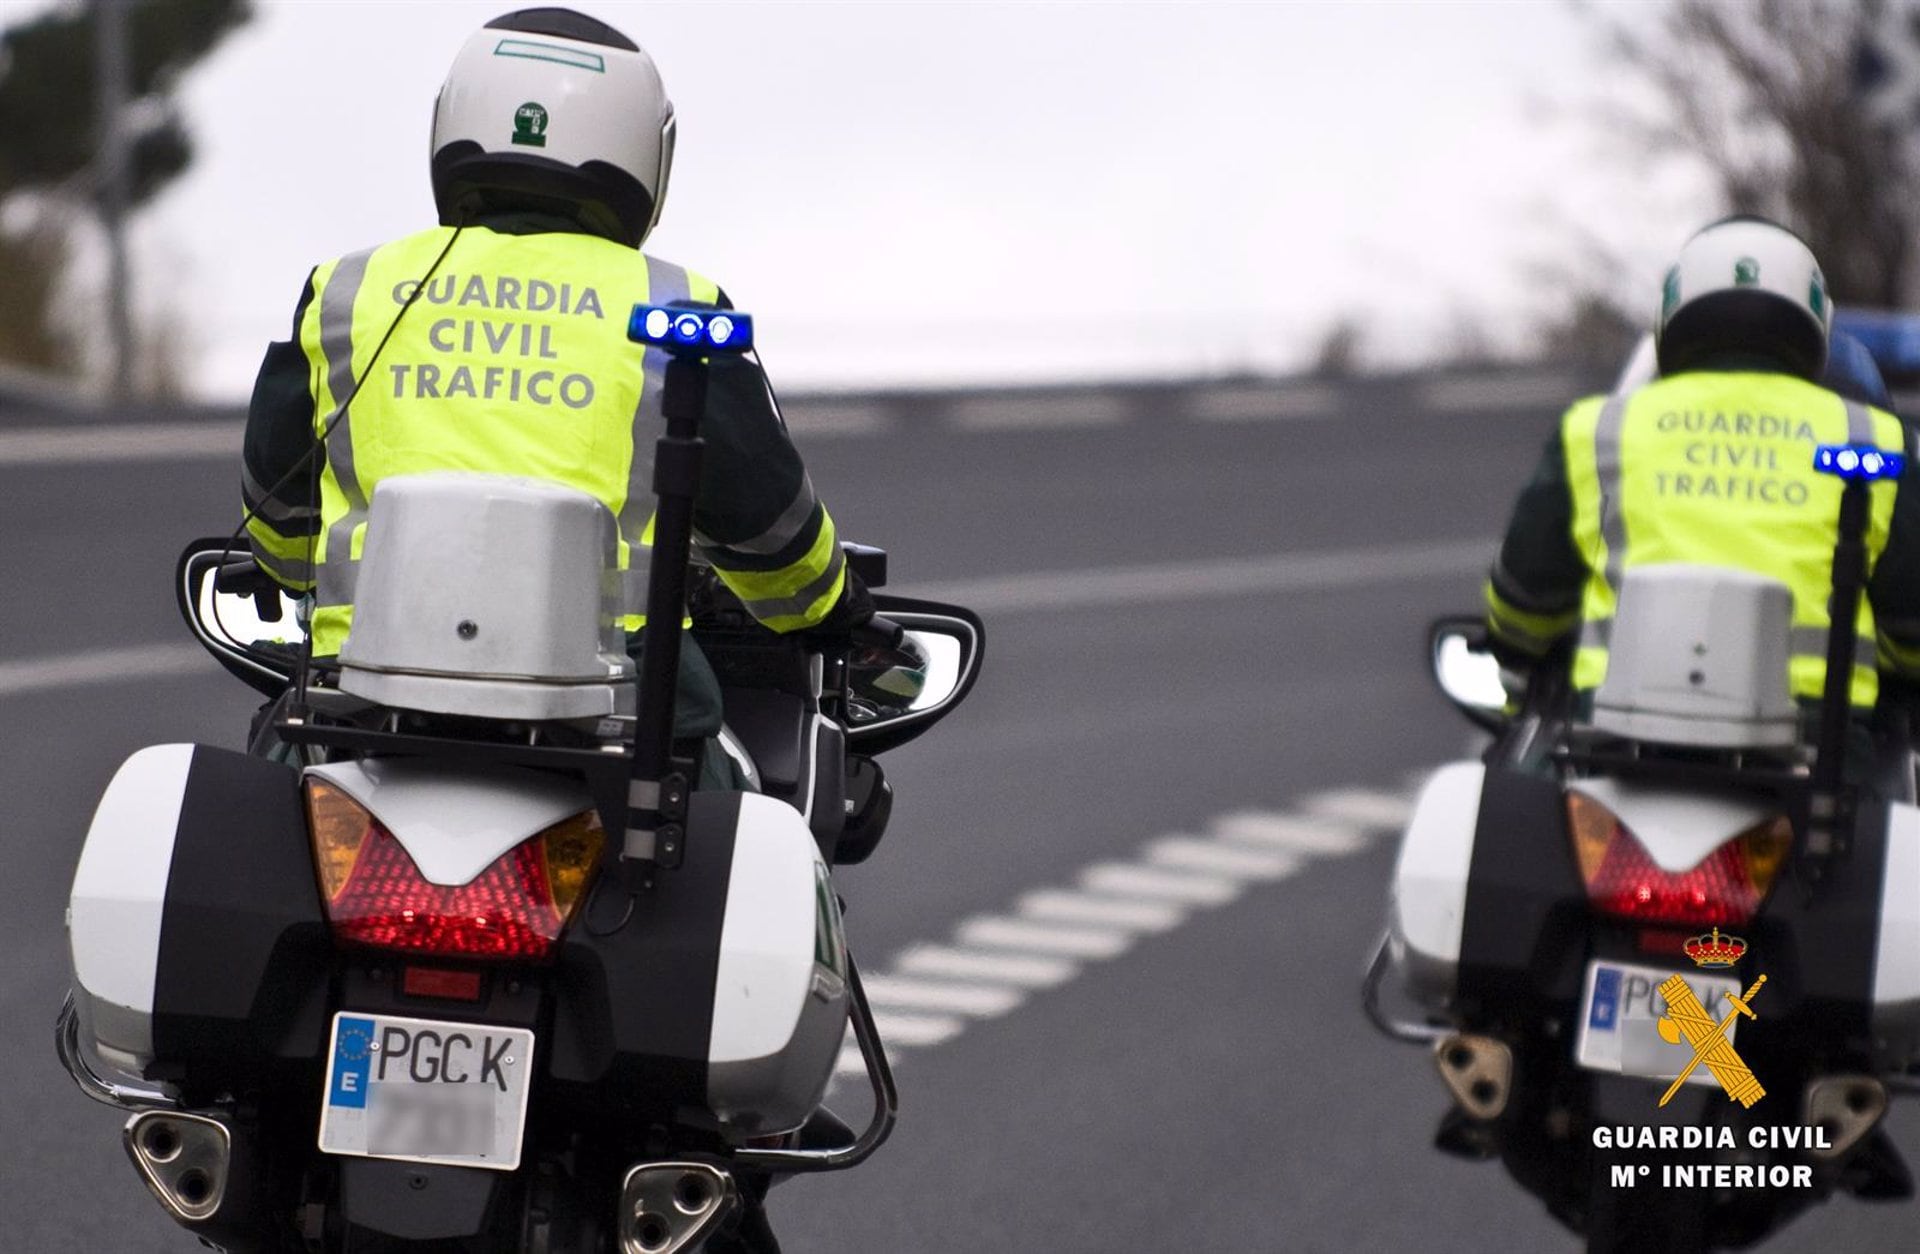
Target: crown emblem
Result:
[[1714, 950]]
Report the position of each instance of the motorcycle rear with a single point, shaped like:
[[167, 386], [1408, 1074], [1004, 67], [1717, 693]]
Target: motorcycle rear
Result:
[[456, 959], [1629, 924]]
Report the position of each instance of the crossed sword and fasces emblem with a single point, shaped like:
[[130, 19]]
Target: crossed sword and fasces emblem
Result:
[[1685, 1016]]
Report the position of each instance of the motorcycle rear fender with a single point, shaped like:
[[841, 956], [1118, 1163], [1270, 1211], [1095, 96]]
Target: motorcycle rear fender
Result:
[[194, 923], [455, 822], [1429, 896], [1677, 827], [1896, 970]]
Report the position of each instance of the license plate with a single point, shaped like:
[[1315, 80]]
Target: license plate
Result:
[[1620, 1016], [426, 1091]]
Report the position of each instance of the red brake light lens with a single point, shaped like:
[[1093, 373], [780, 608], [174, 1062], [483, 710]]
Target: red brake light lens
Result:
[[515, 909], [1724, 888]]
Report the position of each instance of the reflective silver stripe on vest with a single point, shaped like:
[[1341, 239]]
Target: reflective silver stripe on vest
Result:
[[666, 283], [336, 575], [1859, 424], [783, 529], [1613, 519], [1812, 642], [272, 508], [802, 601]]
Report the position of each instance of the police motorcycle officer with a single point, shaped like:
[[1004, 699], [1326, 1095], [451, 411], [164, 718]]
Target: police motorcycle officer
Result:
[[1711, 463], [496, 342]]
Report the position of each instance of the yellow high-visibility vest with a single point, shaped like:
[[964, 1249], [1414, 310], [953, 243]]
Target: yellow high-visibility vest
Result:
[[1717, 469], [513, 359]]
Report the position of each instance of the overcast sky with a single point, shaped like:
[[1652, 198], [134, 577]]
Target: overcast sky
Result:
[[953, 191]]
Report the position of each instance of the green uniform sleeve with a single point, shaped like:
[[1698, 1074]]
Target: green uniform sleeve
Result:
[[277, 461], [756, 519], [1894, 589], [1533, 592]]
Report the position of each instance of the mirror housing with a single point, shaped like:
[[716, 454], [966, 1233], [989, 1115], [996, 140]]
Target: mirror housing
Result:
[[955, 642], [252, 626]]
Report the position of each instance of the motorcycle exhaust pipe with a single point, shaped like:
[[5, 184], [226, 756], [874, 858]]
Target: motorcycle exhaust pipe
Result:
[[1847, 1107], [1478, 1071], [185, 1160], [669, 1207]]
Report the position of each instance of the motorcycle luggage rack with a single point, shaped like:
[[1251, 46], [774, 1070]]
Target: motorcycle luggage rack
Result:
[[605, 770], [1586, 749]]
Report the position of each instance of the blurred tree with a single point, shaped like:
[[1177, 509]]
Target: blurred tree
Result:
[[1784, 105], [33, 253], [1338, 354], [1769, 96], [49, 142]]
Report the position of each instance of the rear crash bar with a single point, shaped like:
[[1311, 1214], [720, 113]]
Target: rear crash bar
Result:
[[886, 1103]]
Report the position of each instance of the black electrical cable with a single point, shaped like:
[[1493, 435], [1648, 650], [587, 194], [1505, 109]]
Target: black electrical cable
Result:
[[311, 461]]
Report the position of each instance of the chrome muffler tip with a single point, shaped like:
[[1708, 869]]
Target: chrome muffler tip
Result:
[[669, 1207], [1846, 1107], [183, 1158], [1478, 1071]]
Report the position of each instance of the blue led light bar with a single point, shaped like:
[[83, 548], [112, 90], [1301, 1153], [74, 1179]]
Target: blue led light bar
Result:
[[1858, 462], [700, 332]]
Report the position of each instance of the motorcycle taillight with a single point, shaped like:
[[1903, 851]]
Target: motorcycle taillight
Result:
[[514, 909], [1622, 879]]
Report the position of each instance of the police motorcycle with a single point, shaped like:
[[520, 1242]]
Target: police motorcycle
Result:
[[1666, 954], [466, 964]]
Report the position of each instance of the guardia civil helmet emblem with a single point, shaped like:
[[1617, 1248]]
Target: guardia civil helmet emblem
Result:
[[1746, 272], [530, 125]]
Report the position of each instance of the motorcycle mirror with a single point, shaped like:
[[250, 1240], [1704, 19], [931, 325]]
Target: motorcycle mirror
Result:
[[257, 643], [1468, 675], [953, 641]]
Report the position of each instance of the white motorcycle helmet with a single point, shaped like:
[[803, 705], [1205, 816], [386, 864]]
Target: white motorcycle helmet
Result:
[[551, 109], [1744, 286]]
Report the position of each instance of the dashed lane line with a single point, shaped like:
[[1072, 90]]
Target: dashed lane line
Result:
[[1180, 582], [1039, 592], [102, 666], [993, 964], [134, 442]]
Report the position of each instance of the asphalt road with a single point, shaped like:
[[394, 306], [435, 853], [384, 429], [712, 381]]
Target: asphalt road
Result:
[[1211, 1087]]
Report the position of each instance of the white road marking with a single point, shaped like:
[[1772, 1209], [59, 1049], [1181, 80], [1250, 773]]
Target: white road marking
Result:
[[908, 1031], [1018, 934], [92, 443], [907, 993], [1281, 831], [1189, 853], [1264, 404], [1130, 879], [1060, 412], [1026, 970], [1548, 394], [1184, 581], [102, 666], [830, 417], [1055, 905], [995, 963], [1361, 806], [1039, 592]]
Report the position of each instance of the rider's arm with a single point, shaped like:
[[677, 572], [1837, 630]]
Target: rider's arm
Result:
[[276, 474], [1533, 591], [1894, 589], [756, 518]]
